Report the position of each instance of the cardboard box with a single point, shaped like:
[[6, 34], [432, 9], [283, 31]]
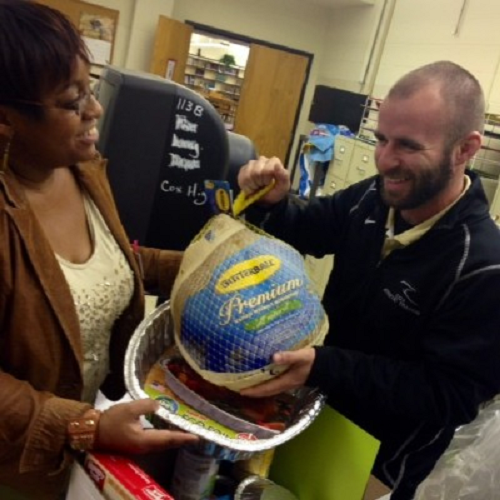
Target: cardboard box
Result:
[[118, 478]]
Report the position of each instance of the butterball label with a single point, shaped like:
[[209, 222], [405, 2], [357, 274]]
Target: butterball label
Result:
[[248, 273]]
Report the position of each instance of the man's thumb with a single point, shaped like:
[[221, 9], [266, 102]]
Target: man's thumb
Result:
[[284, 358]]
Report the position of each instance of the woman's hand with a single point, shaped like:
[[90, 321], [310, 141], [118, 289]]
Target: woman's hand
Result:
[[257, 174], [299, 366], [120, 430]]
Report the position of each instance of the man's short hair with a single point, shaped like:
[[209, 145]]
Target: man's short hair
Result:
[[460, 90]]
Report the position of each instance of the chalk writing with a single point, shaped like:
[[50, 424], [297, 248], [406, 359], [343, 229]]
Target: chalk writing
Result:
[[182, 123], [183, 163], [194, 192], [188, 144], [190, 107]]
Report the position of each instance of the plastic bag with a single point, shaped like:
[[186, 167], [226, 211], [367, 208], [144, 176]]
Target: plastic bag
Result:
[[240, 296], [470, 468]]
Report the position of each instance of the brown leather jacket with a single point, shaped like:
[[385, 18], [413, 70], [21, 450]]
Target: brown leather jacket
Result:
[[40, 346]]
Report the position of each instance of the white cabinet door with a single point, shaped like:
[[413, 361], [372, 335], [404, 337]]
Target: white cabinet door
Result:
[[362, 163], [344, 146], [332, 185]]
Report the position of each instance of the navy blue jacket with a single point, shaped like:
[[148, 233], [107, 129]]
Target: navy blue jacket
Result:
[[414, 342]]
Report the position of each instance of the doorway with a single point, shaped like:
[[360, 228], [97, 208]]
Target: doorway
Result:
[[271, 84], [215, 68]]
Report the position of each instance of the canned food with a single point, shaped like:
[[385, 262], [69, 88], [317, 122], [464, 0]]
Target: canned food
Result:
[[259, 488], [257, 465], [194, 475]]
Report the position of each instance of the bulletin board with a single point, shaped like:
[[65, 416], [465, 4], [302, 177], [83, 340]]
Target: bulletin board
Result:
[[96, 24]]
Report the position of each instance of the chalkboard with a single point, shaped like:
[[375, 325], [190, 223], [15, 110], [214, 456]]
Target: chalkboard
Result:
[[162, 141]]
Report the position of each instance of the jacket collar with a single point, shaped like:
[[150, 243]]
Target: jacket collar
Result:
[[41, 253], [472, 204]]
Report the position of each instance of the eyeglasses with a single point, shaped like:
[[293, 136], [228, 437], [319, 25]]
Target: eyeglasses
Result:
[[77, 105]]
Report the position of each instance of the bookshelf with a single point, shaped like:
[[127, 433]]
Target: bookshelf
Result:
[[217, 82]]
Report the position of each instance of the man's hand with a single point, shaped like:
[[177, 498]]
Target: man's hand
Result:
[[257, 174], [120, 430], [300, 363]]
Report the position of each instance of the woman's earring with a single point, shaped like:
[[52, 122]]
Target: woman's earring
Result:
[[5, 159]]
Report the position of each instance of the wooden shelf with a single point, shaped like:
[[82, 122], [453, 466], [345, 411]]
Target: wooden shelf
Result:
[[197, 66], [213, 80], [217, 82], [213, 61], [193, 84]]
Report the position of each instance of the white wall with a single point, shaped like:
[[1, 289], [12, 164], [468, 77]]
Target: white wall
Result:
[[145, 20], [420, 31], [494, 94], [341, 39], [348, 43], [423, 31], [291, 23]]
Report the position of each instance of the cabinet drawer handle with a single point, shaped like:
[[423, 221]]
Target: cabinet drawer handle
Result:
[[342, 149], [362, 170], [365, 158]]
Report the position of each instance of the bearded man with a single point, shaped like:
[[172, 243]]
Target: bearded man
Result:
[[414, 342]]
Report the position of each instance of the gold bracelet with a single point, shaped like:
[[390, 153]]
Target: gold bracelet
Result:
[[82, 431]]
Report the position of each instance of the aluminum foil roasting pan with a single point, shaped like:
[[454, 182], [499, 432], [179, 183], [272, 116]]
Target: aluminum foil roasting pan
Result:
[[152, 337]]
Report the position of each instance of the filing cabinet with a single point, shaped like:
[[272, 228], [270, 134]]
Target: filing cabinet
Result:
[[333, 184], [362, 163], [353, 161], [343, 149]]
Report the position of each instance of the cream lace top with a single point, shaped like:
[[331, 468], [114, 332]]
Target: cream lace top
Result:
[[102, 288]]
